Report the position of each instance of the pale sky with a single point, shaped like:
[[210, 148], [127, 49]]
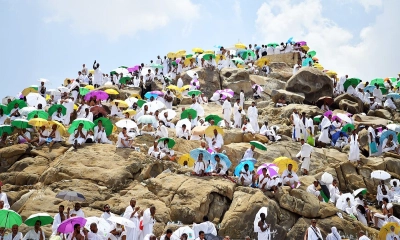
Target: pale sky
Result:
[[52, 39]]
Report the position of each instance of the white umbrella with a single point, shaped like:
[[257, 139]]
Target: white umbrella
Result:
[[394, 127], [127, 123], [124, 71], [122, 221], [327, 178], [147, 119], [43, 80], [145, 71], [101, 223], [108, 83], [34, 99], [395, 180], [5, 100], [180, 123], [178, 233], [154, 105], [26, 110], [356, 192], [171, 113], [53, 92], [344, 117], [379, 174], [258, 218], [190, 73], [63, 89], [130, 101], [341, 201]]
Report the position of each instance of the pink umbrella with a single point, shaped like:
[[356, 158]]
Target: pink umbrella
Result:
[[272, 169], [327, 113], [302, 43], [135, 68], [335, 117], [159, 93], [254, 86], [99, 95], [226, 92], [178, 60]]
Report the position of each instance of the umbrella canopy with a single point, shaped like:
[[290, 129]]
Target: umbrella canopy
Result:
[[258, 145], [111, 92], [196, 152], [45, 218], [342, 200], [54, 109], [127, 123], [223, 158], [393, 95], [325, 99], [273, 44], [125, 79], [178, 233], [26, 110], [11, 105], [386, 134], [336, 136], [4, 108], [312, 53], [238, 60], [171, 142], [67, 226], [107, 124], [283, 162], [226, 92], [34, 99], [28, 90], [394, 127], [186, 158], [249, 159], [8, 218], [101, 223], [262, 61], [194, 92], [134, 68], [181, 122], [120, 70], [331, 73], [122, 221], [258, 218], [363, 191], [99, 95], [155, 105], [83, 91], [210, 131], [90, 87], [148, 95], [131, 100], [240, 166], [20, 123], [216, 118], [348, 128], [71, 196], [146, 119], [170, 113], [141, 102], [38, 122], [327, 178], [187, 112], [6, 129], [5, 100], [39, 113], [208, 56], [344, 117], [379, 81], [121, 103], [385, 229], [351, 81], [240, 46], [379, 174], [87, 124], [272, 169], [197, 50], [60, 127]]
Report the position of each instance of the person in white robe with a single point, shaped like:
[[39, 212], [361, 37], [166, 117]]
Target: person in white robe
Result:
[[68, 103], [263, 229], [73, 89], [161, 130], [302, 125], [296, 67], [341, 141], [247, 127], [252, 113], [387, 211], [58, 219], [3, 198], [249, 153], [227, 111], [148, 220], [14, 113], [183, 132], [289, 177], [36, 234], [377, 93], [14, 234], [76, 211], [98, 74], [313, 232], [107, 214], [389, 104], [88, 115], [382, 191], [155, 151], [313, 190], [391, 235], [215, 142], [325, 125], [295, 118], [241, 97], [350, 90], [132, 212], [206, 226], [116, 111], [169, 99], [334, 191], [269, 132], [389, 145], [263, 180], [245, 176], [342, 79], [81, 109], [78, 137], [100, 135], [3, 117], [124, 139], [219, 167], [200, 166], [354, 153], [163, 145], [305, 156], [196, 106], [58, 116]]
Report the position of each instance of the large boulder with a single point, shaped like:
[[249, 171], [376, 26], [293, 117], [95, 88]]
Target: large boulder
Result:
[[369, 120], [354, 100], [280, 70], [209, 80], [289, 96], [299, 202], [312, 82], [236, 79], [381, 113], [9, 155], [348, 106]]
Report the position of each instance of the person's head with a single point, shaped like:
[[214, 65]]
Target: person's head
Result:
[[247, 238], [334, 182], [106, 208], [77, 228], [252, 147], [215, 132], [184, 236], [38, 224], [166, 141], [87, 110], [245, 121], [183, 127], [146, 107], [302, 141], [392, 228], [80, 126], [201, 235], [227, 238], [93, 227], [168, 233], [153, 210], [200, 157], [61, 208], [264, 171], [39, 106], [1, 204], [315, 183], [14, 229], [395, 184], [217, 158], [59, 110], [155, 144], [124, 130], [390, 137], [385, 200], [77, 206], [253, 104], [16, 105], [246, 167], [313, 222], [262, 216], [1, 231], [289, 167]]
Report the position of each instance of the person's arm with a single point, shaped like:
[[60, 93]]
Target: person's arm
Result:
[[94, 65], [261, 225]]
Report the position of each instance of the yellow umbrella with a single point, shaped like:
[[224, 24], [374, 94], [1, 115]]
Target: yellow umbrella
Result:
[[91, 71], [186, 157], [210, 131], [114, 128], [171, 55], [261, 62], [136, 95], [209, 52], [131, 112], [182, 52], [240, 66], [240, 46], [186, 87], [318, 66], [75, 107], [218, 57], [197, 50], [121, 103], [331, 73], [111, 91], [283, 162], [90, 87], [66, 81], [60, 127], [386, 229], [38, 122], [187, 61], [173, 87], [47, 97], [305, 47], [28, 90]]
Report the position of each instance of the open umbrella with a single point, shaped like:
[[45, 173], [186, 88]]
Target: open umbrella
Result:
[[26, 110], [283, 162], [351, 81], [226, 92], [6, 129], [148, 95], [71, 196], [327, 178], [348, 128], [394, 127], [238, 60], [44, 218], [178, 233], [155, 105], [39, 113], [134, 68], [107, 124], [379, 81], [54, 109], [182, 122], [210, 131], [87, 124], [312, 53], [240, 166], [331, 73], [146, 119], [126, 123], [20, 123], [272, 45], [187, 112], [258, 145], [196, 152], [197, 50], [170, 113], [194, 92], [393, 95], [186, 158], [60, 127], [386, 135], [385, 229], [216, 118], [258, 218], [121, 221], [67, 226], [34, 99], [342, 200], [5, 100], [8, 218], [83, 91], [21, 104], [363, 191], [223, 158], [253, 160], [208, 56], [336, 136], [171, 142], [326, 99], [131, 100], [344, 117], [28, 90], [379, 174], [240, 46], [38, 122], [141, 102], [121, 103], [272, 169], [101, 223], [99, 95], [111, 92]]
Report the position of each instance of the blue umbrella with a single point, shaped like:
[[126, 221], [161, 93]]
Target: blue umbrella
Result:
[[249, 159], [290, 40], [336, 136], [306, 62], [195, 154], [218, 46], [386, 135], [240, 166], [239, 52], [258, 47], [393, 95], [223, 158], [149, 95], [369, 88]]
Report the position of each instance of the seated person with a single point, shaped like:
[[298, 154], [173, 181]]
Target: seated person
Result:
[[313, 190], [24, 136], [389, 145], [90, 137], [341, 141], [54, 135], [78, 137], [281, 102], [246, 177], [163, 145], [289, 177], [219, 167], [161, 131], [183, 132], [155, 151], [215, 142], [124, 140], [200, 166], [246, 127], [100, 135], [58, 116], [43, 135], [382, 191], [269, 132], [387, 211], [263, 180]]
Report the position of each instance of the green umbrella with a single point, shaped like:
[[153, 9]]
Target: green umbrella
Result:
[[83, 91], [87, 124], [238, 60], [20, 123], [34, 87], [379, 81], [317, 118], [113, 72], [5, 109], [107, 124], [156, 66], [258, 145], [216, 118], [54, 109], [392, 79], [312, 53], [21, 104], [351, 81], [6, 128], [195, 92], [123, 80], [174, 63], [397, 84], [208, 56], [324, 197], [384, 90], [44, 218], [140, 102], [123, 67], [189, 55], [272, 44], [8, 218], [187, 112], [40, 114], [171, 142], [398, 137], [348, 127], [246, 53]]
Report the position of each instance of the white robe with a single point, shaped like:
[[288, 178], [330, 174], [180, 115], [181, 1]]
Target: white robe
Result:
[[237, 116], [227, 109], [311, 189], [19, 236], [354, 153], [296, 128], [206, 227], [115, 111], [252, 113], [33, 235], [3, 197], [305, 155], [98, 76], [248, 154], [148, 222], [56, 222], [132, 233], [377, 93], [219, 141], [223, 167], [325, 124], [334, 192], [168, 105], [266, 235], [342, 79], [314, 233], [248, 128], [389, 103], [247, 177], [100, 134], [69, 105], [199, 166], [57, 117], [379, 192], [241, 97]]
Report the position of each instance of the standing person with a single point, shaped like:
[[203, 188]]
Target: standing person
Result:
[[263, 229], [252, 114], [73, 89], [98, 75], [148, 220], [295, 118], [334, 191], [342, 79], [313, 232], [169, 99], [84, 70], [227, 111], [132, 213], [58, 219], [241, 97], [42, 90], [165, 64], [237, 114], [334, 235], [354, 153], [3, 197], [305, 156]]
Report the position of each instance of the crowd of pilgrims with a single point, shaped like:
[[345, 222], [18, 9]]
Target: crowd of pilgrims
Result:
[[42, 117]]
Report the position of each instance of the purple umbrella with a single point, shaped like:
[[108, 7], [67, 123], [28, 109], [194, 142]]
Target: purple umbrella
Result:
[[272, 169], [226, 92], [302, 43], [327, 113], [178, 60], [135, 68], [335, 117], [99, 95], [159, 93], [67, 226]]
